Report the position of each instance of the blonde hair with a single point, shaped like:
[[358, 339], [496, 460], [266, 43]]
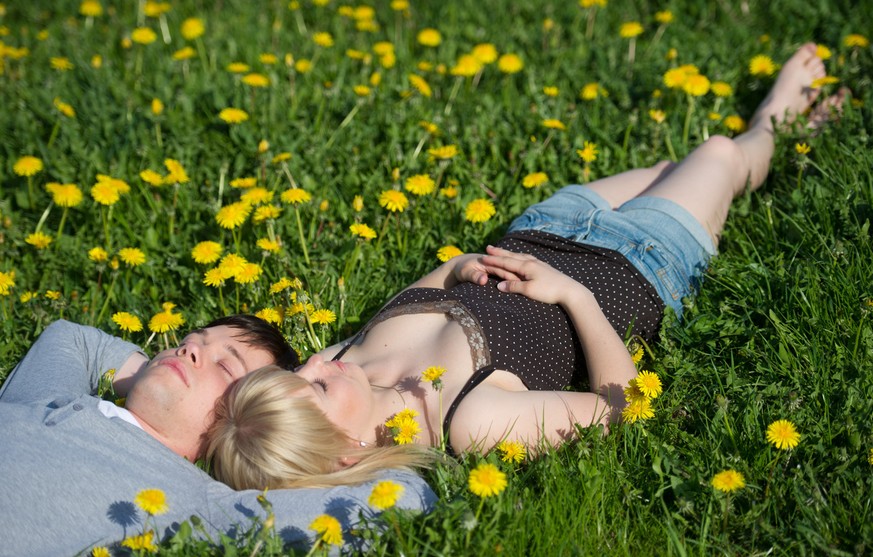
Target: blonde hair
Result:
[[267, 436]]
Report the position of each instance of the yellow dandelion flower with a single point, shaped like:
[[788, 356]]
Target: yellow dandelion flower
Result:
[[157, 106], [91, 8], [64, 108], [105, 193], [420, 184], [449, 192], [61, 63], [303, 65], [233, 115], [649, 384], [728, 480], [192, 28], [151, 177], [256, 80], [393, 200], [637, 355], [385, 494], [664, 17], [233, 215], [637, 409], [467, 65], [512, 451], [7, 282], [184, 53], [870, 457], [281, 157], [295, 196], [24, 298], [323, 39], [820, 82], [554, 124], [762, 65], [486, 480], [362, 231], [248, 274], [64, 195], [257, 196], [591, 91], [27, 166], [534, 180], [823, 52], [155, 9], [855, 40], [269, 245], [588, 152], [448, 252], [657, 115], [550, 91], [206, 252], [268, 58], [238, 67], [270, 315], [323, 317], [98, 254], [479, 210], [734, 123], [177, 174], [53, 294], [630, 29], [783, 435], [141, 542], [143, 35], [165, 321], [433, 373], [152, 501], [132, 257], [266, 212], [243, 183], [100, 551], [420, 85], [444, 152], [39, 240], [358, 203], [802, 148], [407, 431], [429, 37], [232, 264], [486, 53], [127, 322], [328, 529], [722, 89], [696, 85], [214, 277], [510, 63], [282, 284]]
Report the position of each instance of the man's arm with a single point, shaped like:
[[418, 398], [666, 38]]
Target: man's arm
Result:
[[68, 359]]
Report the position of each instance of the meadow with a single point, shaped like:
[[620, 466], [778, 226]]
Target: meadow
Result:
[[165, 163]]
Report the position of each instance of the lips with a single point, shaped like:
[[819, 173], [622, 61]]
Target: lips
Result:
[[340, 365], [177, 367]]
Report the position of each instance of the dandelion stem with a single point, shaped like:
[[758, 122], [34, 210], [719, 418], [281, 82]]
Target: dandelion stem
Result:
[[346, 121], [30, 191], [54, 133], [302, 239], [61, 225], [687, 126], [670, 149], [108, 298], [448, 109]]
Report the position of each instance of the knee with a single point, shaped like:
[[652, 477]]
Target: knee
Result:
[[723, 148]]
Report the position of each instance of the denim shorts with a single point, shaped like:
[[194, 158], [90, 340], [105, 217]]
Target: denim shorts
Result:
[[659, 238]]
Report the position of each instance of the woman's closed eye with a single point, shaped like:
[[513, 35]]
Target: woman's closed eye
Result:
[[322, 383]]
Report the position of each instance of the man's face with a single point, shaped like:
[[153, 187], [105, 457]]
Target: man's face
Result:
[[177, 390]]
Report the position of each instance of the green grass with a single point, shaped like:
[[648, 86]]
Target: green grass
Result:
[[781, 330]]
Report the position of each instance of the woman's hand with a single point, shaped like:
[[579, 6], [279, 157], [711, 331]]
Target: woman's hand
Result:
[[469, 268], [526, 275]]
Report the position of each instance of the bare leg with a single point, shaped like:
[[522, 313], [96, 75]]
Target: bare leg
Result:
[[708, 179], [618, 188]]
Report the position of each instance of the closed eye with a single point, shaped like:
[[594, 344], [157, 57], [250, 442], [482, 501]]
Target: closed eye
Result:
[[322, 383]]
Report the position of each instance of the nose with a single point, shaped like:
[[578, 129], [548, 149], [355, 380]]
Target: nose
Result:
[[191, 352], [311, 368]]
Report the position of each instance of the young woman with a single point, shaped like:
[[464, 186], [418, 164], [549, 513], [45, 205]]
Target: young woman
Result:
[[548, 307]]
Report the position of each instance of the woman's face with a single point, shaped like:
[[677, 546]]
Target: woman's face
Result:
[[341, 390]]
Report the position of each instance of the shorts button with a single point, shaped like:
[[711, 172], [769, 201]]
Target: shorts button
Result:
[[77, 407]]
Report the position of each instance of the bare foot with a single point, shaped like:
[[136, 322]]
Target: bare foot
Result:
[[828, 110], [791, 94]]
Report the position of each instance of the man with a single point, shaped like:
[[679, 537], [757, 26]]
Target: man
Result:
[[72, 464]]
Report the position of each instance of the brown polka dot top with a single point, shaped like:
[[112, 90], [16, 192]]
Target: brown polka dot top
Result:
[[536, 341]]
